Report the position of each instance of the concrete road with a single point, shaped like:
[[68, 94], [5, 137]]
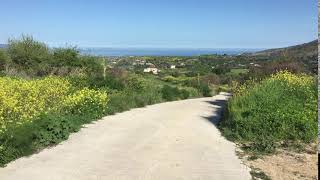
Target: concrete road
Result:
[[167, 141]]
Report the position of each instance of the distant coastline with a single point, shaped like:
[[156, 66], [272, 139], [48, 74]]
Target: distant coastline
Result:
[[161, 51], [98, 51], [3, 45]]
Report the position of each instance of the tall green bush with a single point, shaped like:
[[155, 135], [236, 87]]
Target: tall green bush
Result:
[[280, 108], [28, 53]]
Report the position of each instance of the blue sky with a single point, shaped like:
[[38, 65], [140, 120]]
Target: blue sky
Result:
[[162, 23]]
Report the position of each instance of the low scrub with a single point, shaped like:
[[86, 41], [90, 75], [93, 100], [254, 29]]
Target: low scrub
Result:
[[277, 109]]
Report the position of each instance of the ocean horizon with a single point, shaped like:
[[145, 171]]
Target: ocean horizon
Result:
[[163, 51]]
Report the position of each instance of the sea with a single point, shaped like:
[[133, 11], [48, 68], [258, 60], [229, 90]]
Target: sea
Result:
[[162, 51]]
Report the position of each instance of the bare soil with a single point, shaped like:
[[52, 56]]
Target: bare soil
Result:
[[287, 164]]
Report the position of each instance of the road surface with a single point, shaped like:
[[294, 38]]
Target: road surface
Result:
[[168, 141]]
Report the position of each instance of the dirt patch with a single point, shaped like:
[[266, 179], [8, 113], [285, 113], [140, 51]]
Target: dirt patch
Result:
[[284, 165]]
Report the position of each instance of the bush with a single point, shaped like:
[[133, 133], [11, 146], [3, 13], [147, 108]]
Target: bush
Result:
[[136, 84], [29, 54], [193, 92], [35, 59], [170, 93], [184, 94], [125, 100], [92, 65], [65, 57], [108, 83], [205, 90], [280, 108]]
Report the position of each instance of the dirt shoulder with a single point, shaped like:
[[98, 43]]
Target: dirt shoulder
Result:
[[284, 164]]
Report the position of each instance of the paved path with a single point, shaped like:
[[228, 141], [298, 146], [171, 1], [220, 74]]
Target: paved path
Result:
[[168, 141]]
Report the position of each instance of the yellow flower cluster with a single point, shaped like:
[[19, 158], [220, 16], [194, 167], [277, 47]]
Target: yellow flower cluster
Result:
[[86, 99], [288, 80], [293, 79], [242, 89], [22, 100]]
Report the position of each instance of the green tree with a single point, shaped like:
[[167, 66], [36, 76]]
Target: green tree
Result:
[[28, 53], [93, 66], [66, 57]]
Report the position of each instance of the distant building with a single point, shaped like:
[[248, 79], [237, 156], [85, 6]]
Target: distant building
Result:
[[151, 69], [172, 66], [255, 65]]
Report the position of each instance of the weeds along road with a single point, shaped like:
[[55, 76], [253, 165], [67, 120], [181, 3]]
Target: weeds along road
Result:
[[173, 140]]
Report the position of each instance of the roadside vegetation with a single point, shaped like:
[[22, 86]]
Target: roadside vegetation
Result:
[[280, 109], [46, 94]]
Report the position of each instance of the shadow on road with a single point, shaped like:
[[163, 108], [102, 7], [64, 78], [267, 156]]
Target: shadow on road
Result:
[[219, 106]]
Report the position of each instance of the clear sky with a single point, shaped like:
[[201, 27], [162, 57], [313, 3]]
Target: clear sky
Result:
[[161, 23]]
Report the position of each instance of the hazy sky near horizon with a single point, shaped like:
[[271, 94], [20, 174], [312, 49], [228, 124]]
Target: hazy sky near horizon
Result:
[[162, 23]]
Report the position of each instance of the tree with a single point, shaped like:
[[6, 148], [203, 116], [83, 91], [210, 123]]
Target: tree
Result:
[[66, 57], [92, 65], [28, 53]]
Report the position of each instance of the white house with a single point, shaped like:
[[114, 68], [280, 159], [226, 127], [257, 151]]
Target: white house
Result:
[[153, 70], [172, 66]]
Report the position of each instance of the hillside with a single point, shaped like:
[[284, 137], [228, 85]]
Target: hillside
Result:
[[306, 53], [303, 50]]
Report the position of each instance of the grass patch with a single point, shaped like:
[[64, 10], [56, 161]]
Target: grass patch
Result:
[[238, 71]]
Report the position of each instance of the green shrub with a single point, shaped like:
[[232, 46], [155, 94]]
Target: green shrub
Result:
[[170, 93], [205, 90], [123, 101], [29, 54], [280, 108], [65, 57], [136, 84], [193, 92], [184, 94], [108, 83]]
